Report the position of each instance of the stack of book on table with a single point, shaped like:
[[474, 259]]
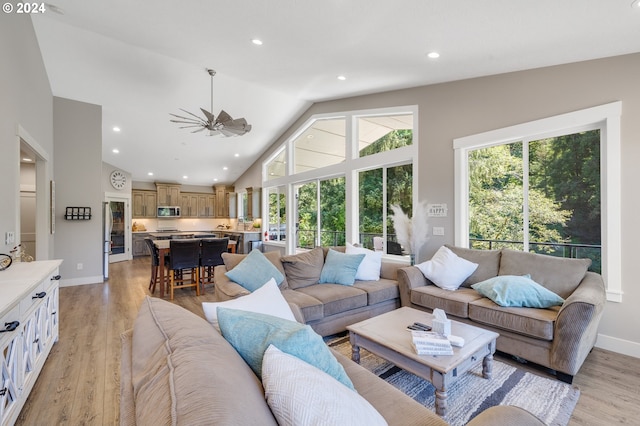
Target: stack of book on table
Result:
[[430, 343]]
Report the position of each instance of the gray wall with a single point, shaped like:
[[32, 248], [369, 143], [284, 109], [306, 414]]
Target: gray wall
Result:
[[452, 110], [77, 130], [26, 101]]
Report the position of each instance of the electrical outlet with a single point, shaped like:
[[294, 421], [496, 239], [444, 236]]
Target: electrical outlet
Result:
[[438, 230], [10, 237], [80, 266]]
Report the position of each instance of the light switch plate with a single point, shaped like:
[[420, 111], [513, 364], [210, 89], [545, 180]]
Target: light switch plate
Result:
[[10, 237]]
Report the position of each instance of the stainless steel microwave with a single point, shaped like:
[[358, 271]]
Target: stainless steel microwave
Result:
[[168, 211]]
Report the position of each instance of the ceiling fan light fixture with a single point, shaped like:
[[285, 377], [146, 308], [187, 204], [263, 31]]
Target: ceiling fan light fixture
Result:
[[223, 124]]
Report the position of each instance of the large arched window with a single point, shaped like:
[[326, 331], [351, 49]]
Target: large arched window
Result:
[[338, 174]]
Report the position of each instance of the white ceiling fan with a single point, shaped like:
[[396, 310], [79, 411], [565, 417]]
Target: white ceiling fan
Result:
[[224, 124]]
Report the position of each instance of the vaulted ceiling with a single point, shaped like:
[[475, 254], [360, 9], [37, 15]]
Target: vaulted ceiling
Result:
[[144, 59]]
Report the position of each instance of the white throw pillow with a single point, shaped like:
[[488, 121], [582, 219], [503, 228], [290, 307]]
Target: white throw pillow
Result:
[[369, 269], [300, 394], [265, 300], [446, 269]]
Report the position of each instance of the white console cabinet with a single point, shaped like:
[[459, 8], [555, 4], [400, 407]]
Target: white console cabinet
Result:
[[28, 329]]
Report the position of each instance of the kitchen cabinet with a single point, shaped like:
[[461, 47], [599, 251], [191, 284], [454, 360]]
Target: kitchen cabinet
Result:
[[140, 247], [189, 204], [29, 313], [144, 203], [222, 201], [254, 203], [168, 194], [206, 205]]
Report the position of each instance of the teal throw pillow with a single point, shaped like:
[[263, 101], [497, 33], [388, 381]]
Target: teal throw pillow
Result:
[[251, 333], [340, 268], [517, 291], [254, 271]]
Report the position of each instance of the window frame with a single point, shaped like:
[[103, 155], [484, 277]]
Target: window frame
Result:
[[349, 168], [606, 118]]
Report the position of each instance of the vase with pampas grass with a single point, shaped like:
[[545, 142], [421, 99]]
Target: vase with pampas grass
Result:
[[412, 233]]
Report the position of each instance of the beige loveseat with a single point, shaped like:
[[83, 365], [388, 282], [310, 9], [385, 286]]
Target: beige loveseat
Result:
[[327, 308], [559, 338], [176, 369]]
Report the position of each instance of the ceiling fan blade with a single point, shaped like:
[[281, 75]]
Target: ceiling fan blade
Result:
[[223, 117], [199, 118], [210, 117], [185, 122], [190, 126], [199, 130], [228, 133]]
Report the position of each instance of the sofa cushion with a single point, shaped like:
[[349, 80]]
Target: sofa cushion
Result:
[[369, 269], [300, 394], [452, 302], [251, 334], [446, 269], [560, 275], [531, 322], [311, 308], [254, 270], [379, 291], [175, 355], [340, 268], [336, 298], [517, 291], [231, 260], [488, 263], [303, 269], [267, 299]]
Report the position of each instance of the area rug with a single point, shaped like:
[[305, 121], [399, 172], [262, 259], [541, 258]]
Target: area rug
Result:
[[552, 401]]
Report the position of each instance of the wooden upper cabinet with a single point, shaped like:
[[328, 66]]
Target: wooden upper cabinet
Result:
[[222, 195], [168, 194], [254, 203], [189, 204], [206, 205], [144, 204]]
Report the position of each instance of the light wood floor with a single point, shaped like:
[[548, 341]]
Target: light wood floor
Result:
[[79, 384]]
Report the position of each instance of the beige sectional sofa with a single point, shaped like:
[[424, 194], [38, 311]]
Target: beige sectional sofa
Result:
[[176, 369], [559, 337], [327, 308]]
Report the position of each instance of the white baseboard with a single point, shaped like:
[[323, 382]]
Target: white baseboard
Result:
[[97, 279], [615, 344]]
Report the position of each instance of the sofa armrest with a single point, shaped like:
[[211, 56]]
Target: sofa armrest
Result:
[[297, 313], [409, 278], [505, 415], [576, 326], [224, 288]]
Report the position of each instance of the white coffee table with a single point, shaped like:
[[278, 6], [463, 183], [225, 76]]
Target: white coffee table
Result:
[[387, 337]]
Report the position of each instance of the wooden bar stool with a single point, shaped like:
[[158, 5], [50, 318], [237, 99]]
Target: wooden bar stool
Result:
[[184, 265], [211, 251]]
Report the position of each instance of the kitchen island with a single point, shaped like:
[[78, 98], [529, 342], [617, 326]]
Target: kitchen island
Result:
[[244, 239]]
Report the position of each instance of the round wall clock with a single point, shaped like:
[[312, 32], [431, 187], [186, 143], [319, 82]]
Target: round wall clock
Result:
[[118, 179]]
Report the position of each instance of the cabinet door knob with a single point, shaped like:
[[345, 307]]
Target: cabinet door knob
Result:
[[55, 277], [10, 326], [39, 295]]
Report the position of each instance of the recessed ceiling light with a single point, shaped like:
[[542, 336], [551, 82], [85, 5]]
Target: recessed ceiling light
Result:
[[342, 78], [115, 151], [256, 41], [236, 155], [150, 173], [433, 55], [116, 128], [215, 180], [27, 159], [636, 4], [225, 168], [185, 177]]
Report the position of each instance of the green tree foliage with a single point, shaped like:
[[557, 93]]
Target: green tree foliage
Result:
[[496, 199]]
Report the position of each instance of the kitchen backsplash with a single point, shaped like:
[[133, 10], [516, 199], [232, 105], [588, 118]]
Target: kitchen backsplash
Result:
[[186, 224]]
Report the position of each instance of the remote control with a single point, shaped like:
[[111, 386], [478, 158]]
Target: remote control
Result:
[[424, 327]]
